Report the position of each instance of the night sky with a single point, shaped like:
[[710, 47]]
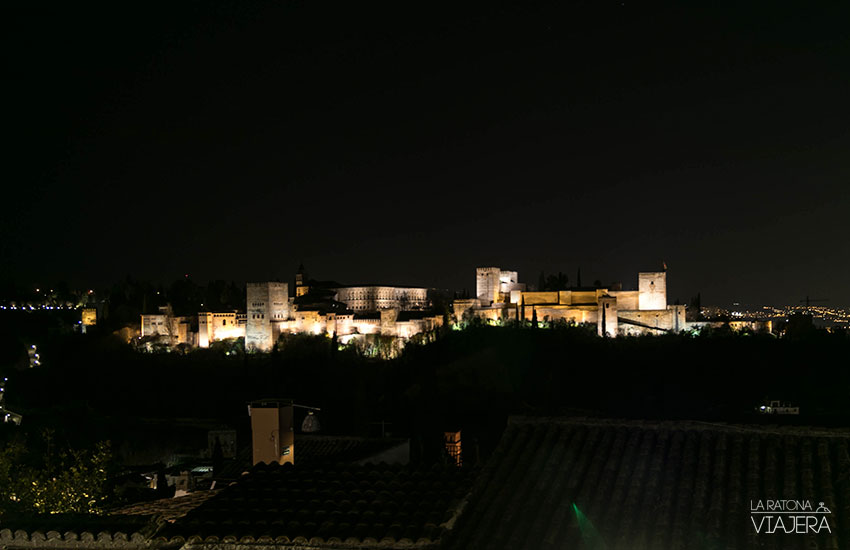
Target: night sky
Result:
[[381, 144]]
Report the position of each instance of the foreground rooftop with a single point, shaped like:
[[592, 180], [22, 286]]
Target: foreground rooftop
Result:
[[552, 483], [587, 483]]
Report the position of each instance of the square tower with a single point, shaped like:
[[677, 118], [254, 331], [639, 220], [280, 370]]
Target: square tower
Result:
[[678, 315], [487, 283], [507, 281], [606, 319], [206, 329], [652, 290], [266, 303]]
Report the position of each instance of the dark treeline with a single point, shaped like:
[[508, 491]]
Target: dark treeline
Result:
[[90, 386], [94, 387], [488, 372]]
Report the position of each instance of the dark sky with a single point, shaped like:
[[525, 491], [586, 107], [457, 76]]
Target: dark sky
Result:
[[381, 144]]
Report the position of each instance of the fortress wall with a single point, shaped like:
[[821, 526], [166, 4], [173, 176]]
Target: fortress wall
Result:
[[626, 299], [657, 318], [606, 317], [557, 313], [548, 297]]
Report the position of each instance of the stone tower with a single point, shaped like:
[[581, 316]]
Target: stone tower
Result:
[[606, 320], [678, 318], [266, 304], [652, 290], [487, 284]]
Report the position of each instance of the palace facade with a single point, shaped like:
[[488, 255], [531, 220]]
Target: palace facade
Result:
[[350, 312]]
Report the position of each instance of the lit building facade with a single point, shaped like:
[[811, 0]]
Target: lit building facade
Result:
[[615, 312], [349, 312], [169, 328], [267, 304], [220, 326], [376, 298], [394, 311], [494, 285]]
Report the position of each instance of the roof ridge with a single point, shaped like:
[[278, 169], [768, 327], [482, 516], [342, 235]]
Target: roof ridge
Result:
[[692, 424]]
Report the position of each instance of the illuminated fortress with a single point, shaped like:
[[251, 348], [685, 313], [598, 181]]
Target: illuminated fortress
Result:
[[321, 308], [501, 298], [351, 312]]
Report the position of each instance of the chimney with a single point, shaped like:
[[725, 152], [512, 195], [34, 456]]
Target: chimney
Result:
[[272, 431]]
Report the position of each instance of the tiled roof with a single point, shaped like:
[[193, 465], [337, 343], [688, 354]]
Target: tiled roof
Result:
[[640, 485], [75, 531], [70, 539], [312, 449], [376, 505], [168, 509], [237, 466]]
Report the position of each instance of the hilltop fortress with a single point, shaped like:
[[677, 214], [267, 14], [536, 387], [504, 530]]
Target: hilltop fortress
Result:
[[317, 307], [352, 312], [500, 298]]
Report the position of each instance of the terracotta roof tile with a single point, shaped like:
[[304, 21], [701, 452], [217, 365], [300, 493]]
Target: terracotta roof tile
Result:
[[364, 506], [74, 531], [322, 448], [651, 485]]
